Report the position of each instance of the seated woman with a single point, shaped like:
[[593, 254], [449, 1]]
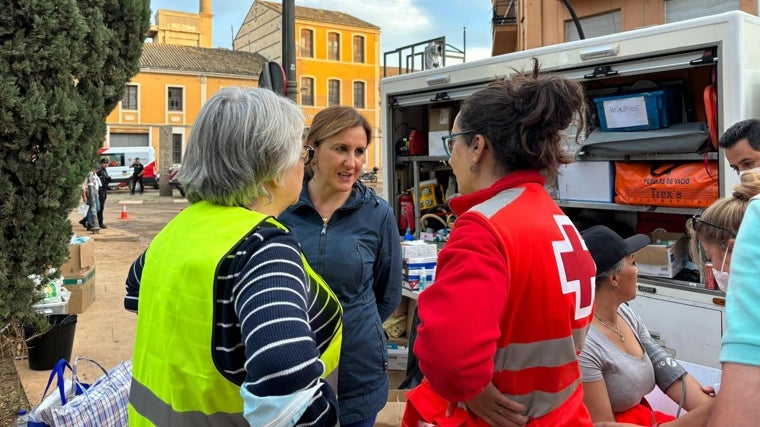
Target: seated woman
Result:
[[620, 361]]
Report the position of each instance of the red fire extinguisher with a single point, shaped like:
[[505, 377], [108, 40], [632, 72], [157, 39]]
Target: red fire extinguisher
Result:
[[405, 212]]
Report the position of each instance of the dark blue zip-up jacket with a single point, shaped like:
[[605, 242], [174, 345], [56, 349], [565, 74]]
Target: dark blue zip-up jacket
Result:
[[358, 253]]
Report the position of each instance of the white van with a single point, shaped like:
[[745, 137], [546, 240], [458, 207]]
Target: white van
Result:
[[120, 160]]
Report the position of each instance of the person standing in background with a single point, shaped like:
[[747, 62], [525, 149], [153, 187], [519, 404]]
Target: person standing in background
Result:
[[137, 173], [103, 191], [741, 144], [233, 326], [350, 235], [90, 190], [482, 340]]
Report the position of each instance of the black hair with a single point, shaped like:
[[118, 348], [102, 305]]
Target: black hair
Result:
[[749, 129]]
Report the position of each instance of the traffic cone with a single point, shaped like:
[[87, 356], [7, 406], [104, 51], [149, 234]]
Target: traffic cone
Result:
[[124, 211]]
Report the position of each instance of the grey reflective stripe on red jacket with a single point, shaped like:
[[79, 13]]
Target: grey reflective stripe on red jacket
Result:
[[520, 356], [161, 413]]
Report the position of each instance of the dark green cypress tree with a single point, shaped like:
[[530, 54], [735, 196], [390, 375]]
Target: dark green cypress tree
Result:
[[63, 68]]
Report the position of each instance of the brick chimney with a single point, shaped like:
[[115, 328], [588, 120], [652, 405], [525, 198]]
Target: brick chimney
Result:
[[205, 7]]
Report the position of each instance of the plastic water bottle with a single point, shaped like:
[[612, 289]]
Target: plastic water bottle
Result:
[[22, 418]]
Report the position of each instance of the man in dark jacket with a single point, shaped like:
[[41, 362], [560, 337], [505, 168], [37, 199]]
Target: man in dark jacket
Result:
[[103, 192], [137, 174]]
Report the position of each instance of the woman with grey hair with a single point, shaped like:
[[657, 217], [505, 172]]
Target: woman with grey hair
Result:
[[234, 327]]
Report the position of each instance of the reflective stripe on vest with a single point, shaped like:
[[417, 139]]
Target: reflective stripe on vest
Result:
[[175, 380], [160, 413]]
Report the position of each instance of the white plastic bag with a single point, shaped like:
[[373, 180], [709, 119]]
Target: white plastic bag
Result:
[[83, 208]]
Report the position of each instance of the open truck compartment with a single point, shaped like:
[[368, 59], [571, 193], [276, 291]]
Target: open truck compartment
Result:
[[658, 98]]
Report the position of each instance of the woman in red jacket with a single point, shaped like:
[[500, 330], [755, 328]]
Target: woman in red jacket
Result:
[[501, 327]]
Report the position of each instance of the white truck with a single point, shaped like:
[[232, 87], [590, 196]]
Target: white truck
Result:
[[120, 161], [708, 68]]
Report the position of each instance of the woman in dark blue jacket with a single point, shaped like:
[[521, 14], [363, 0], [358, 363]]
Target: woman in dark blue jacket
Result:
[[350, 238]]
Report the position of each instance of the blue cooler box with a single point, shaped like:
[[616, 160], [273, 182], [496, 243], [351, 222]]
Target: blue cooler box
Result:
[[636, 111]]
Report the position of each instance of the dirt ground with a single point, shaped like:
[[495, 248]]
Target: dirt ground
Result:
[[105, 331]]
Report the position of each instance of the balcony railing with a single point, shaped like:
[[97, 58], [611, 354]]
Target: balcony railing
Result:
[[505, 12]]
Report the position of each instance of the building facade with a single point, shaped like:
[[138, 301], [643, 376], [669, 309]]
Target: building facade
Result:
[[178, 73], [337, 60], [520, 25], [182, 28]]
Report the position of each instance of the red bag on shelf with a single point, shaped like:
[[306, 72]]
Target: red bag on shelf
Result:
[[678, 184]]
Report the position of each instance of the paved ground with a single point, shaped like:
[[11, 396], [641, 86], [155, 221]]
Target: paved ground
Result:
[[105, 331]]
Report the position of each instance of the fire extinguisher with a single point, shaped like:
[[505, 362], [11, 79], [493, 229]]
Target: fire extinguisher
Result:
[[406, 212]]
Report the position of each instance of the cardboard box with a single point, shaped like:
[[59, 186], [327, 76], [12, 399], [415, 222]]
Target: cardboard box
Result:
[[397, 358], [664, 259], [82, 288], [418, 273], [81, 258], [398, 342], [587, 182], [441, 119], [393, 412], [418, 249]]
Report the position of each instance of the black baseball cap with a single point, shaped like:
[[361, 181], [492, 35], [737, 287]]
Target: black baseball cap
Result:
[[608, 248]]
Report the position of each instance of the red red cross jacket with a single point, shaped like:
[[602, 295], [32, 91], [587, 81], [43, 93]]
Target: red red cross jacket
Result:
[[511, 303]]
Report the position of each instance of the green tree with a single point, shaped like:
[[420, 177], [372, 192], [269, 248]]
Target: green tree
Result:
[[63, 68]]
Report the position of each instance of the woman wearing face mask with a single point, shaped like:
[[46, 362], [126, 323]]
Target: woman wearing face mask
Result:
[[715, 230]]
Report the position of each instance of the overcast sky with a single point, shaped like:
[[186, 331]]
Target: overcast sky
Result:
[[401, 22]]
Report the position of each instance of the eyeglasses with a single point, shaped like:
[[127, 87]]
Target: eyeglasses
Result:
[[448, 140], [697, 220], [307, 153]]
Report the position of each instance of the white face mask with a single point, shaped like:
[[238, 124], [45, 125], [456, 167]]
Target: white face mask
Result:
[[756, 170], [721, 277]]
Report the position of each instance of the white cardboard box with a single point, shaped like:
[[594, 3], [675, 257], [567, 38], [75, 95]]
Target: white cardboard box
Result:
[[418, 249], [587, 182], [397, 358]]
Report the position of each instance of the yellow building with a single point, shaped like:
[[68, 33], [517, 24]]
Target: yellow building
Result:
[[172, 85], [174, 81], [520, 25], [337, 60]]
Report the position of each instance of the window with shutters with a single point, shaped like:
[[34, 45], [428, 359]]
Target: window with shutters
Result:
[[359, 49], [680, 10], [594, 26], [359, 95], [333, 92], [176, 148], [307, 91], [129, 101], [307, 43], [174, 98], [333, 46]]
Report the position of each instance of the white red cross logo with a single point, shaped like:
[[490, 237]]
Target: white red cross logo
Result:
[[572, 273]]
